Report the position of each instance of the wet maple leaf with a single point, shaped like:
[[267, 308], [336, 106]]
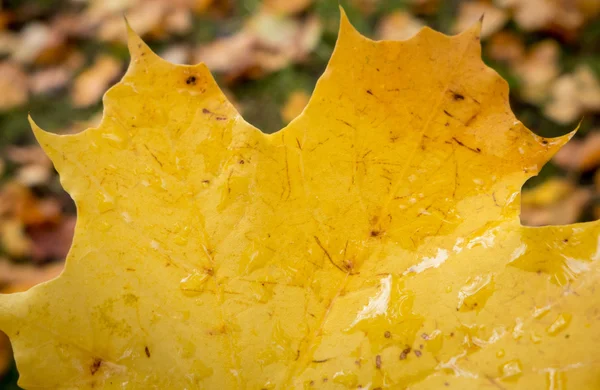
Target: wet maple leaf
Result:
[[373, 242]]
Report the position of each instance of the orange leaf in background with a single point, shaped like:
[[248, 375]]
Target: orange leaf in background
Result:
[[373, 242], [91, 84]]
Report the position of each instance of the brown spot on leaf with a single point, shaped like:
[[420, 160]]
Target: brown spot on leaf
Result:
[[387, 334], [418, 353], [147, 350], [475, 150], [191, 80], [457, 96], [405, 353], [369, 92], [95, 366], [378, 361]]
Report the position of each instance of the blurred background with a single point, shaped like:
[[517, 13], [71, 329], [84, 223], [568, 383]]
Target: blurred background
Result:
[[58, 57]]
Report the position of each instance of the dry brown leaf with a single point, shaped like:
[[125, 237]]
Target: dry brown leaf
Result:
[[506, 47], [13, 84], [531, 14], [470, 12], [14, 239], [555, 209], [20, 277], [177, 54], [580, 155], [572, 95], [398, 25], [52, 241], [426, 7], [78, 126], [548, 193], [534, 15], [294, 105], [31, 154], [285, 7], [265, 44], [33, 40], [35, 167], [92, 83], [33, 175], [49, 79], [17, 202], [539, 70], [178, 21]]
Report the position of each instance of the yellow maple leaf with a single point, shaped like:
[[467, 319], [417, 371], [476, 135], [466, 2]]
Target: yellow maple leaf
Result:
[[373, 242]]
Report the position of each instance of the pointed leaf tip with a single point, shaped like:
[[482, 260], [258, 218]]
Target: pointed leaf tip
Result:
[[136, 45], [48, 141], [345, 25]]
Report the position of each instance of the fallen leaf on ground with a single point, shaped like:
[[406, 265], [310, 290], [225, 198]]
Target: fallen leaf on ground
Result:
[[548, 193], [398, 25], [538, 70], [572, 95], [90, 85], [566, 210], [15, 241], [34, 40], [34, 168], [294, 105], [266, 43], [21, 277], [470, 12], [506, 47], [580, 154], [560, 16], [52, 241], [13, 84], [286, 7], [375, 241]]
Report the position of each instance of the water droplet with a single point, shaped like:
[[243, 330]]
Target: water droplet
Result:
[[500, 353], [348, 379], [535, 338], [539, 312], [556, 380], [106, 202], [104, 226], [511, 369], [560, 324], [126, 216], [517, 332], [475, 293], [428, 262], [193, 284]]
